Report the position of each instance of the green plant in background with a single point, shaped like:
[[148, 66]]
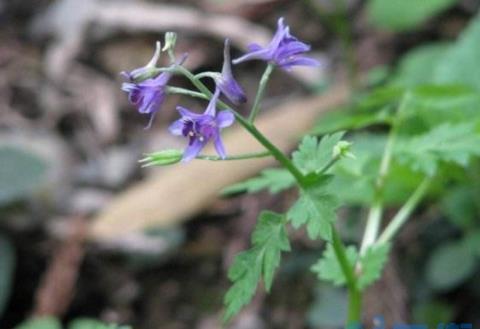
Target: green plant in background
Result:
[[52, 323], [401, 15], [21, 172]]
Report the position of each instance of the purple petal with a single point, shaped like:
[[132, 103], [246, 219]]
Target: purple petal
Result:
[[225, 119], [226, 82], [262, 54], [232, 90], [292, 48], [176, 127], [219, 147], [212, 105], [300, 61], [150, 101], [192, 150], [254, 47], [280, 34], [184, 112]]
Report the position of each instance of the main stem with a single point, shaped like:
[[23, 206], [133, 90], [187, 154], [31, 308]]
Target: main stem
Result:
[[354, 294]]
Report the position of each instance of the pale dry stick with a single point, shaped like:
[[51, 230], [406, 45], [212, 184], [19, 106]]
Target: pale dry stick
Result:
[[176, 193]]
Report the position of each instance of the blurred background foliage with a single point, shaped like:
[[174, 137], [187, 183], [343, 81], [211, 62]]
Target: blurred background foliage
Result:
[[69, 145]]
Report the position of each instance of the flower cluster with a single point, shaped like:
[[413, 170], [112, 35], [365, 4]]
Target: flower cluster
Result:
[[147, 88]]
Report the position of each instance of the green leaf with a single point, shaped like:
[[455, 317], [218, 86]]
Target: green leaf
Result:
[[455, 143], [315, 208], [312, 155], [328, 268], [399, 15], [20, 173], [7, 267], [275, 180], [93, 324], [418, 65], [460, 63], [450, 265], [372, 264], [437, 104], [40, 323], [260, 262]]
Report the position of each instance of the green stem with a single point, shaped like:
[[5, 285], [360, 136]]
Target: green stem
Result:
[[329, 164], [375, 214], [276, 153], [404, 213], [183, 91], [194, 80], [260, 92], [354, 294], [202, 75], [246, 156]]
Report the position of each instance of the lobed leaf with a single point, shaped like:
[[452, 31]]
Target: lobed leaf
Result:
[[312, 155], [372, 264], [328, 268], [454, 143], [315, 208], [269, 239], [460, 62]]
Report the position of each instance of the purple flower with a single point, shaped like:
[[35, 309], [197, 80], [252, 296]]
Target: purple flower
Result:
[[226, 82], [284, 50], [148, 95], [201, 128]]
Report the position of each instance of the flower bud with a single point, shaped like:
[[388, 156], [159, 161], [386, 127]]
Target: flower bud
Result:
[[162, 158], [170, 41], [342, 149]]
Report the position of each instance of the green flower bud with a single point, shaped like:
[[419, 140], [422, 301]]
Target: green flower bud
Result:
[[170, 41], [162, 158], [342, 149]]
